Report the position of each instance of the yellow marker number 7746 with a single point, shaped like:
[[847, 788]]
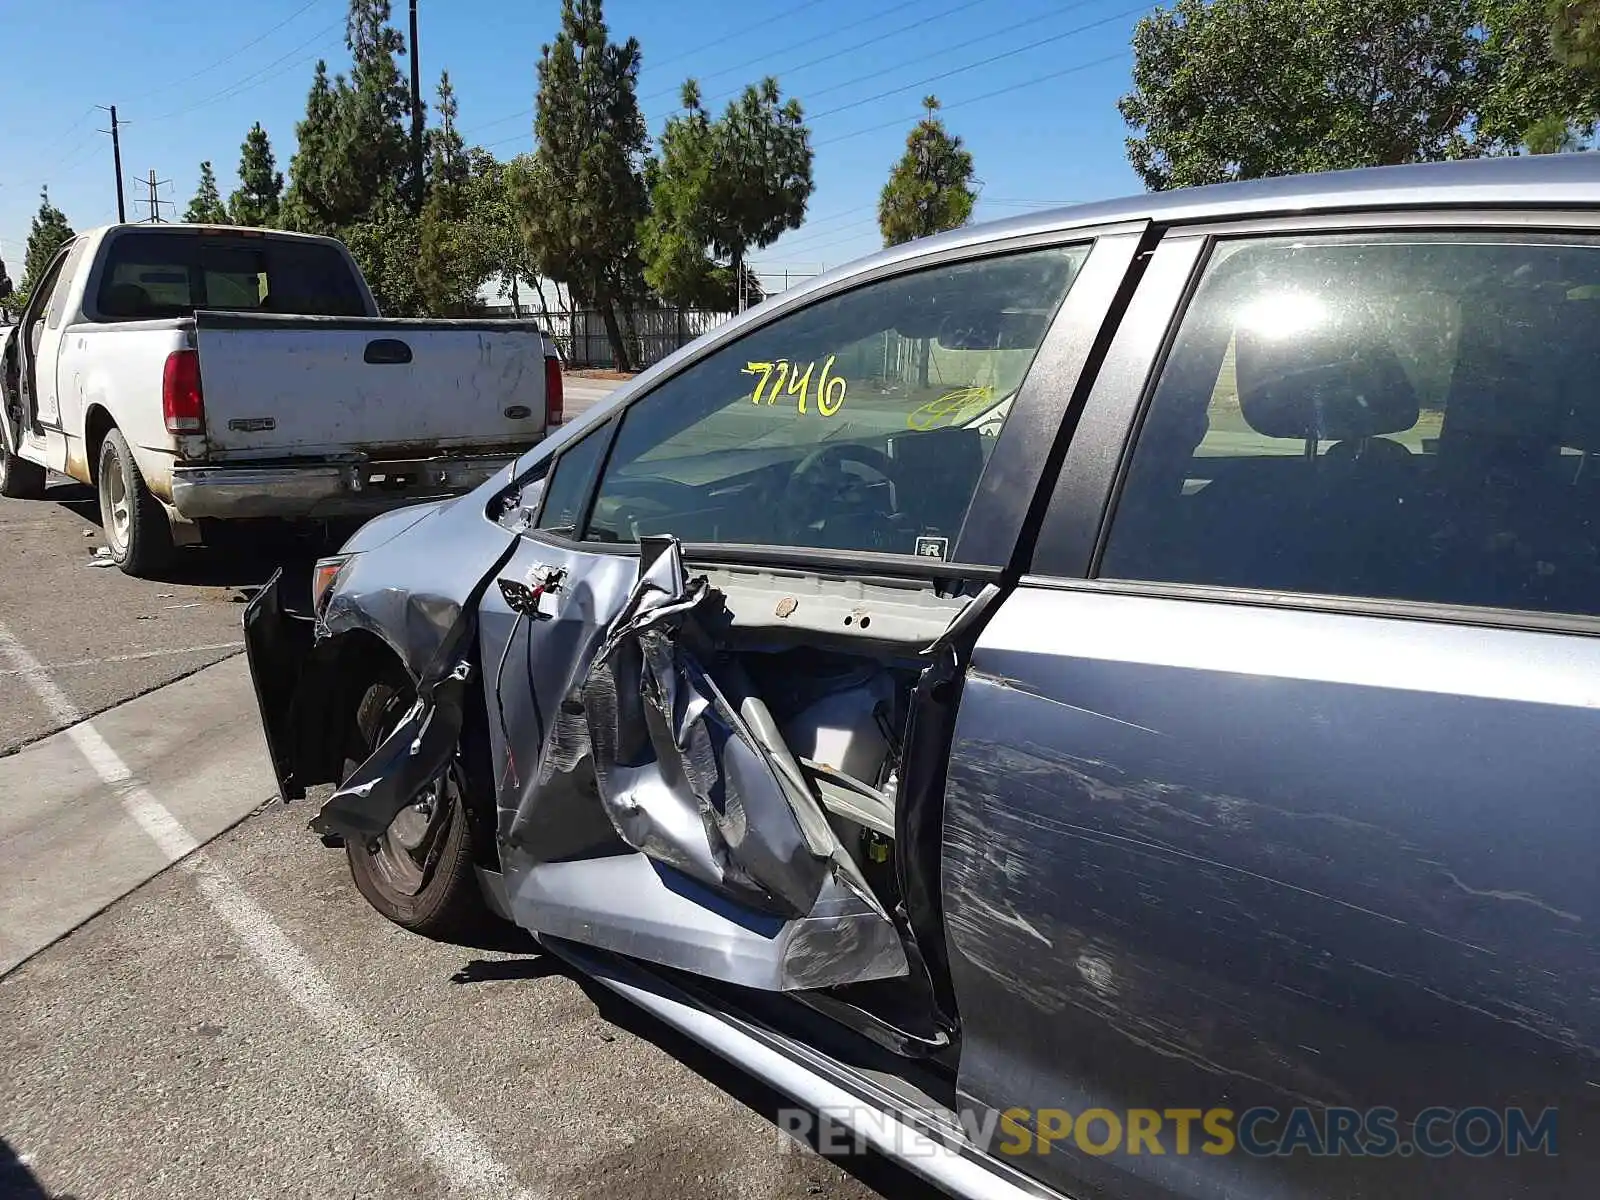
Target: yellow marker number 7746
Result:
[[788, 379]]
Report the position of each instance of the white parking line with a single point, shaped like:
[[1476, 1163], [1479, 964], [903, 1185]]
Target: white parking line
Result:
[[124, 658], [443, 1139]]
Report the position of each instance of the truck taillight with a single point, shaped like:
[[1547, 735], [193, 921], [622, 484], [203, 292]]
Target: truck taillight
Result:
[[182, 405], [554, 400]]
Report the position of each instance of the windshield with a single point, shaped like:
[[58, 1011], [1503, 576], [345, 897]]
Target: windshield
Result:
[[150, 275]]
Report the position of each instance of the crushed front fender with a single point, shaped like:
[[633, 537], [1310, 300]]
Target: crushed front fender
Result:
[[403, 766]]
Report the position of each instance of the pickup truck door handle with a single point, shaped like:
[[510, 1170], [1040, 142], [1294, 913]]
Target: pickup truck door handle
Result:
[[387, 350]]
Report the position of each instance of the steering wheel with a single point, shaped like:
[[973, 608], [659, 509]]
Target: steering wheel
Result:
[[819, 482]]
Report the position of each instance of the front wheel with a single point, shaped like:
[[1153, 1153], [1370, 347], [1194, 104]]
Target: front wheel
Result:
[[419, 873], [136, 526], [19, 478]]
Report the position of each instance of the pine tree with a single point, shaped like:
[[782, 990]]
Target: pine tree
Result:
[[257, 201], [46, 233], [306, 205], [371, 161], [581, 198], [206, 207], [732, 184], [930, 189], [452, 263]]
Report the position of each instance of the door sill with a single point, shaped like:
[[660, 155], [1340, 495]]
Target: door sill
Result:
[[925, 1138]]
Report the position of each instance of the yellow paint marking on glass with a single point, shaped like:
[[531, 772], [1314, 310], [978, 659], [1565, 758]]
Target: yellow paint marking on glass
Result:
[[763, 369], [829, 402], [787, 378], [950, 408], [800, 385]]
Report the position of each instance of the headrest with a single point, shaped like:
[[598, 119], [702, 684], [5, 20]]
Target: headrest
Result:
[[1515, 365], [1335, 378], [126, 300]]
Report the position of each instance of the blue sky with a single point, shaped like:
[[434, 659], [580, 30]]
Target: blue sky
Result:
[[1040, 119]]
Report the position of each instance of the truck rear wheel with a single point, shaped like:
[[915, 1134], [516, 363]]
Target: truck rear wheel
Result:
[[19, 478], [136, 526]]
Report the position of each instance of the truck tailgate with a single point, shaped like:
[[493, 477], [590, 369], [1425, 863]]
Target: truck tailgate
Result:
[[291, 386]]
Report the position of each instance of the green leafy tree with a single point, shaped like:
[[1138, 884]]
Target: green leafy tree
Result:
[[372, 160], [306, 205], [46, 233], [206, 207], [354, 158], [386, 246], [352, 174], [930, 189], [1533, 96], [725, 186], [1240, 89], [581, 197], [456, 243], [258, 199]]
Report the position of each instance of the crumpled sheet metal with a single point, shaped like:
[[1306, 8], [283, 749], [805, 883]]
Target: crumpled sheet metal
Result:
[[681, 770]]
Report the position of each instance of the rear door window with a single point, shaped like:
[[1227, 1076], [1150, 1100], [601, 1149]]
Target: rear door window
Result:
[[1401, 416], [151, 275], [862, 422]]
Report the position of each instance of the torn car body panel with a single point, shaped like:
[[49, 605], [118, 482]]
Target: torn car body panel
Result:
[[647, 802]]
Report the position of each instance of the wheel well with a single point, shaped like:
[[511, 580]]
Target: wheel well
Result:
[[353, 661], [97, 423]]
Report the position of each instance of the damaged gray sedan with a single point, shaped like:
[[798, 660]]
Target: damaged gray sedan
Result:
[[1045, 697]]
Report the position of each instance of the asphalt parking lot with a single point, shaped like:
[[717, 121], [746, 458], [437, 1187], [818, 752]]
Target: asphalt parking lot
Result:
[[194, 1002]]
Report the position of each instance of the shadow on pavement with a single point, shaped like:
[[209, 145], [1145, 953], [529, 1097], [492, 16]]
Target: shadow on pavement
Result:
[[866, 1166], [245, 560], [17, 1182]]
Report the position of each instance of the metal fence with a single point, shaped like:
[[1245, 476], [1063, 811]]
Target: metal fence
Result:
[[653, 332]]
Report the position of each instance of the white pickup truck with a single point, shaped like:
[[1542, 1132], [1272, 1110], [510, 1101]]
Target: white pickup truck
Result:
[[195, 374]]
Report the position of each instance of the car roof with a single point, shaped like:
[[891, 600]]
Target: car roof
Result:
[[1542, 181]]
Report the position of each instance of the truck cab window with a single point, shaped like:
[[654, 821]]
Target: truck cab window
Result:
[[153, 275]]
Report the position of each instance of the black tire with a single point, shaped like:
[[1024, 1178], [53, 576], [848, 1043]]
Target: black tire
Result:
[[19, 478], [136, 526], [429, 888]]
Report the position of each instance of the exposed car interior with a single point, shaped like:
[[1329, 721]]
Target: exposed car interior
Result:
[[861, 424], [1378, 420]]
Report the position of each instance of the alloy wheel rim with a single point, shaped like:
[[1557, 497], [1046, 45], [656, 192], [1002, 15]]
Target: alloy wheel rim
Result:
[[115, 512]]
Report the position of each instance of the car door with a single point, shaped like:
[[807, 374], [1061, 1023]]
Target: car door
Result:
[[831, 472], [1271, 821], [42, 327]]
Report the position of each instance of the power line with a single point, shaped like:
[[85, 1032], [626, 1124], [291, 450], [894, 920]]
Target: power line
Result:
[[67, 132], [227, 58], [523, 113], [826, 35], [982, 62], [1015, 87], [765, 23], [254, 79]]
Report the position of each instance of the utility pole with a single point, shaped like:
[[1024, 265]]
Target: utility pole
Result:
[[116, 159], [416, 115]]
